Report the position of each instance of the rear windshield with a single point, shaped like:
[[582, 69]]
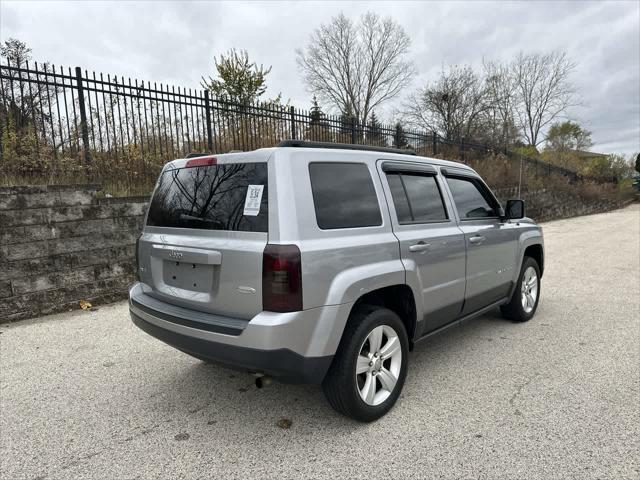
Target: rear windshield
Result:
[[217, 197]]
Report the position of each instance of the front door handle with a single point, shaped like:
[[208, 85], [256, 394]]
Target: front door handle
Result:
[[419, 247], [477, 240]]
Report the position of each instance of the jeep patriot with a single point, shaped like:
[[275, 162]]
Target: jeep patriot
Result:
[[325, 263]]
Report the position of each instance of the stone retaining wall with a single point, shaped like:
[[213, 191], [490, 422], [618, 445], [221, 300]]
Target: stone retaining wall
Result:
[[543, 205], [62, 244]]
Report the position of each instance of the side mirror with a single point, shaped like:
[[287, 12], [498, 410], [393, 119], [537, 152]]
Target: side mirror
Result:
[[514, 209]]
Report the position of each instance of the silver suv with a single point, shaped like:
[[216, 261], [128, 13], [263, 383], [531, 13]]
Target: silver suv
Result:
[[325, 263]]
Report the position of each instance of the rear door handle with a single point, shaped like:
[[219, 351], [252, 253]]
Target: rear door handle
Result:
[[477, 240], [419, 247]]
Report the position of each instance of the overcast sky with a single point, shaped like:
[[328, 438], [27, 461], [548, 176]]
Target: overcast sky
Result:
[[174, 43]]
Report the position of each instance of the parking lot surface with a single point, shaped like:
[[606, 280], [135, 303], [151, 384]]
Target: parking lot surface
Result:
[[87, 395]]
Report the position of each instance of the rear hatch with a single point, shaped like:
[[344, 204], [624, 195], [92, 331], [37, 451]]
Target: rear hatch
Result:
[[206, 231]]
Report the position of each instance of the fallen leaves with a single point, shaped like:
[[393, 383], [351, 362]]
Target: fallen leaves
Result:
[[85, 305], [284, 423]]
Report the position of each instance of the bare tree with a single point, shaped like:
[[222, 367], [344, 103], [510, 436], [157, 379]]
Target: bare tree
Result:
[[20, 105], [452, 106], [544, 91], [13, 91], [501, 93], [356, 67]]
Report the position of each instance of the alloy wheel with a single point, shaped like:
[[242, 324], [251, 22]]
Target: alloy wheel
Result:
[[378, 365], [529, 289]]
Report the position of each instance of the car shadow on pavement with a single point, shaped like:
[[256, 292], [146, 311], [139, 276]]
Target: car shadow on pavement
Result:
[[196, 390], [457, 337]]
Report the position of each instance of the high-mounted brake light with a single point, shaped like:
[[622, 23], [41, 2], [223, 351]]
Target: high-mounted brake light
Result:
[[281, 278], [201, 162]]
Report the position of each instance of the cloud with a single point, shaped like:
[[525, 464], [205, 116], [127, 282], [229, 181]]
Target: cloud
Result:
[[174, 43]]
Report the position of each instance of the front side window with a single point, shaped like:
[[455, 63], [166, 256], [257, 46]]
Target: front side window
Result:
[[469, 199], [416, 197], [344, 195], [216, 197]]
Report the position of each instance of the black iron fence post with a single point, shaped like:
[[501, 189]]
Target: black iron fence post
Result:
[[435, 142], [207, 112], [462, 149], [292, 116], [84, 129], [353, 130]]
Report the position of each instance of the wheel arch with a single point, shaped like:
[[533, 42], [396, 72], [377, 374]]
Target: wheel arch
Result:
[[535, 251], [532, 247], [397, 298]]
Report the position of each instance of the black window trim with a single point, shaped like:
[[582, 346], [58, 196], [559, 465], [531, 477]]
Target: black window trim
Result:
[[421, 171], [484, 191], [373, 184], [407, 167]]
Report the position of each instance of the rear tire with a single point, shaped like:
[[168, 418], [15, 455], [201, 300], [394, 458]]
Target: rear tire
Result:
[[524, 301], [368, 371]]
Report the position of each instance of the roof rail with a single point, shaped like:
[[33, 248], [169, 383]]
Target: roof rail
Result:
[[197, 154], [343, 146]]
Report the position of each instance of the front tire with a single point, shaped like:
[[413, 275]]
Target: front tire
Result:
[[370, 366], [524, 301]]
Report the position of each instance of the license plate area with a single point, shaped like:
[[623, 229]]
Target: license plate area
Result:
[[196, 277]]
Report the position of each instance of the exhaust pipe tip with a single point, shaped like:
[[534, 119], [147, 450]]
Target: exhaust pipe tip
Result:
[[263, 381]]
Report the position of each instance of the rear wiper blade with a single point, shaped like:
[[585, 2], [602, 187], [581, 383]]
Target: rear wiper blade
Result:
[[185, 216]]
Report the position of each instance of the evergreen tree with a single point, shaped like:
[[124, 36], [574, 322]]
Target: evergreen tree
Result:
[[347, 119], [374, 132], [318, 128], [347, 123], [316, 113], [399, 137], [239, 80]]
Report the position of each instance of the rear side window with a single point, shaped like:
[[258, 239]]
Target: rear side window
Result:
[[469, 198], [217, 197], [344, 195], [399, 196], [417, 198]]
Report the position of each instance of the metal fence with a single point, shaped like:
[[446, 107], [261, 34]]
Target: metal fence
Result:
[[61, 125]]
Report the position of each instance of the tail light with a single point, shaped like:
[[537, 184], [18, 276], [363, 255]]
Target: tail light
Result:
[[281, 278]]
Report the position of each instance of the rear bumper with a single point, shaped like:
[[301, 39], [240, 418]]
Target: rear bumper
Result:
[[295, 347], [288, 366]]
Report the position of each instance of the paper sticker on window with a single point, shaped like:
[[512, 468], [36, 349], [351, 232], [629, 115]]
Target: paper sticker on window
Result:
[[253, 200]]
